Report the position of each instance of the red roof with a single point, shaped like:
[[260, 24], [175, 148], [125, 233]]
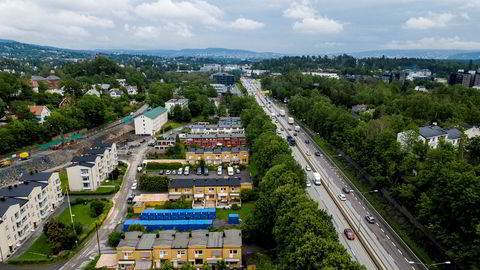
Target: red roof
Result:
[[36, 109]]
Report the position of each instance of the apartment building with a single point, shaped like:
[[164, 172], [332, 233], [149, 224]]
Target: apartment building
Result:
[[214, 140], [182, 102], [150, 122], [217, 156], [24, 206], [209, 192], [216, 129], [199, 247], [230, 121], [431, 135], [87, 172]]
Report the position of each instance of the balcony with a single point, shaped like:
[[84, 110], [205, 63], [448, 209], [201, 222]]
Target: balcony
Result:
[[198, 203]]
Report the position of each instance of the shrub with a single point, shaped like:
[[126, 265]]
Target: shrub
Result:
[[235, 207], [178, 204], [153, 183], [164, 166], [248, 195], [78, 227], [80, 201], [114, 238], [96, 208], [136, 227]]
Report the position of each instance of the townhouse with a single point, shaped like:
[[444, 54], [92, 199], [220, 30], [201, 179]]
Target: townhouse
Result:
[[215, 140], [229, 121], [23, 206], [150, 122], [199, 247], [216, 129], [431, 135], [209, 192], [87, 172], [217, 156]]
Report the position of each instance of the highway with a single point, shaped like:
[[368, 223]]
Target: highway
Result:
[[373, 246]]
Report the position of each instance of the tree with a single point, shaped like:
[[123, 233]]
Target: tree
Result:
[[114, 238], [42, 87], [59, 236], [153, 183], [167, 266], [72, 87], [137, 228], [3, 108], [187, 266], [93, 109], [96, 208]]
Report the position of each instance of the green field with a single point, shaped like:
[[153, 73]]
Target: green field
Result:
[[246, 209], [39, 251]]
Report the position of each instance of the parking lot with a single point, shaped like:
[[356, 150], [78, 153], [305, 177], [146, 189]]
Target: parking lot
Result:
[[211, 174]]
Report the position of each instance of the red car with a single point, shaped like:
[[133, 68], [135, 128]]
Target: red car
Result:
[[349, 234]]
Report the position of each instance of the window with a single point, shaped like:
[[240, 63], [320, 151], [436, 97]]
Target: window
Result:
[[86, 185], [198, 261], [145, 254], [211, 189], [223, 189], [84, 171], [181, 252], [127, 253], [198, 252], [233, 188], [233, 251], [163, 253]]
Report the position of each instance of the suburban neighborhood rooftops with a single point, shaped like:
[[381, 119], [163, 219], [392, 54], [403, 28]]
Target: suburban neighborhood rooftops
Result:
[[41, 176], [154, 113], [181, 240], [165, 238], [215, 240], [5, 203], [177, 101], [146, 241], [206, 182], [36, 109], [22, 189], [199, 238], [232, 238], [454, 133]]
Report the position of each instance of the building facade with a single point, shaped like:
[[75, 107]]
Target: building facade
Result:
[[88, 172], [209, 192], [40, 112], [218, 156], [182, 102], [199, 247], [214, 140], [216, 129], [24, 206], [431, 135], [150, 122], [224, 78]]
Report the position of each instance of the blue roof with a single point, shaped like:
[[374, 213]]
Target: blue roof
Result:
[[201, 210], [168, 222], [152, 114]]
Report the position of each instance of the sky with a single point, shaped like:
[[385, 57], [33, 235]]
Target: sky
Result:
[[282, 26]]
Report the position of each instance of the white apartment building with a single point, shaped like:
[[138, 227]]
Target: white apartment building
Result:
[[24, 206], [216, 129], [182, 102], [431, 135], [88, 172], [151, 121]]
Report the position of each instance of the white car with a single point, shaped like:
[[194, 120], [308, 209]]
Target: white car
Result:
[[309, 184], [342, 197], [307, 168], [167, 172]]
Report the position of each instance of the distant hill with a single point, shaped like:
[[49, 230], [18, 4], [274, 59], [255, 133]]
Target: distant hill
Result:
[[425, 54], [18, 50], [208, 52]]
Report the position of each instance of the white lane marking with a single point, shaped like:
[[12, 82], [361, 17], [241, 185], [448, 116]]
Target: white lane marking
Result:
[[388, 237], [382, 230], [406, 259], [413, 268], [394, 244], [400, 251], [378, 224], [363, 207]]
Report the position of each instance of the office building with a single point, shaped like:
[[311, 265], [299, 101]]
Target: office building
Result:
[[150, 122], [224, 78]]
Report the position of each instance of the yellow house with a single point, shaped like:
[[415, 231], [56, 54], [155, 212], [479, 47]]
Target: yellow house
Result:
[[217, 156], [143, 201], [162, 247], [180, 249], [232, 247], [126, 250], [197, 246]]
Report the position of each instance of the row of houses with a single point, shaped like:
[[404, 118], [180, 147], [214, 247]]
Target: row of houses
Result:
[[199, 247], [89, 171], [23, 206], [217, 156], [209, 192], [214, 140], [216, 129], [432, 135]]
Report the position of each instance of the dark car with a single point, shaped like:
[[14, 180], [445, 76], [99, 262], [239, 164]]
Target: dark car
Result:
[[160, 172], [346, 190], [199, 171], [294, 134], [143, 140], [130, 199], [307, 141], [205, 171], [349, 234], [317, 154]]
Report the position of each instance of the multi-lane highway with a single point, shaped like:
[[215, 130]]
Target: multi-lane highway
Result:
[[373, 246]]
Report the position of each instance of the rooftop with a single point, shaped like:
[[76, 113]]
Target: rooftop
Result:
[[146, 242], [432, 131], [154, 113], [215, 240], [21, 190], [5, 203], [199, 238], [86, 158], [206, 182], [36, 109], [232, 238], [181, 240], [41, 176], [165, 238]]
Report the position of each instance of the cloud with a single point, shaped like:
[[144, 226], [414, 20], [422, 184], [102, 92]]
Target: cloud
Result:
[[151, 32], [432, 20], [329, 44], [308, 21], [434, 43], [246, 24]]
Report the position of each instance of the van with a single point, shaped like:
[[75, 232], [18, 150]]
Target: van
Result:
[[199, 171], [205, 171], [230, 171], [219, 170]]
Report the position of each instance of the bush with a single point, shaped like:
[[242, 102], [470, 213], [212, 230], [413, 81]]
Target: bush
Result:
[[235, 207], [153, 183], [59, 236], [137, 228], [114, 238], [79, 201], [178, 204], [248, 195], [78, 227], [96, 208], [167, 128], [164, 166]]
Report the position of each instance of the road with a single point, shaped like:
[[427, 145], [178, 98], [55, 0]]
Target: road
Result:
[[376, 242]]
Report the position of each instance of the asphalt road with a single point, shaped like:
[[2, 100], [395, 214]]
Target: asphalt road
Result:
[[378, 240]]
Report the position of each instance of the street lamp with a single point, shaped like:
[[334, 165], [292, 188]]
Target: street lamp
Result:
[[431, 264]]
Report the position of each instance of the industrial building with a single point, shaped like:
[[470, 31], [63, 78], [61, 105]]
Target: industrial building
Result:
[[150, 122]]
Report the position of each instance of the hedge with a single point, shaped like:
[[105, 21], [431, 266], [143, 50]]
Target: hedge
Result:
[[164, 166]]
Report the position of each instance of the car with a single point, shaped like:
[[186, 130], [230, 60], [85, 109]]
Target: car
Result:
[[134, 187], [317, 154], [349, 234], [180, 171], [307, 141], [370, 219], [167, 172], [186, 171], [294, 134], [174, 172], [199, 171], [342, 197], [160, 172], [307, 168], [278, 132], [205, 171], [276, 121], [130, 199], [309, 184], [237, 171], [289, 129], [346, 190], [219, 170]]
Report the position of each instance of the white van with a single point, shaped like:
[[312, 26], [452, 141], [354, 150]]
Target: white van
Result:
[[230, 170], [186, 171]]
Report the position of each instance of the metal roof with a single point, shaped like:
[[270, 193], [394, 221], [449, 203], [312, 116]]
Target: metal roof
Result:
[[181, 240], [41, 176], [21, 190], [152, 114], [146, 242], [432, 131], [5, 203], [86, 158], [165, 238], [199, 238], [232, 238], [215, 240], [454, 133]]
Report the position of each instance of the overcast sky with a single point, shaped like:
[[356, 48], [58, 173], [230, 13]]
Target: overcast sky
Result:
[[284, 26]]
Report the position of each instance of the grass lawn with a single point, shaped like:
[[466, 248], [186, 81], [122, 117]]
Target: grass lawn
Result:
[[174, 124], [63, 179], [39, 250], [246, 209]]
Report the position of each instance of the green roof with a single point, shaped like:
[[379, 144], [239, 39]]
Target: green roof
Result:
[[154, 113]]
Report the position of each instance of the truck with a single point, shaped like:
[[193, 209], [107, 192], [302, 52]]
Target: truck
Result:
[[291, 140], [297, 128], [317, 180], [282, 112], [290, 120]]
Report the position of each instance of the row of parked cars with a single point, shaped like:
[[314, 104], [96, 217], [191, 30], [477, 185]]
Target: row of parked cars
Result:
[[200, 171]]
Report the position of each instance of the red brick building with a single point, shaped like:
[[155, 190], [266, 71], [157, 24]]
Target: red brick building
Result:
[[52, 81], [215, 140]]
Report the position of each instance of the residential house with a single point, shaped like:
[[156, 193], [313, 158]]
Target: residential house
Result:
[[132, 90], [87, 172], [359, 108], [60, 91], [431, 135], [216, 129], [115, 93], [229, 121], [209, 192], [23, 206], [182, 102], [40, 112], [163, 143], [122, 82], [199, 247], [420, 88], [94, 92], [214, 140], [217, 156], [471, 131], [150, 122], [52, 81]]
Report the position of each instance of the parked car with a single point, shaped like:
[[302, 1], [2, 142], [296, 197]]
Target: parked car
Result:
[[309, 184], [349, 234], [180, 171], [294, 134], [342, 197], [167, 172], [161, 172], [174, 172], [307, 168], [199, 171], [346, 190], [205, 171], [186, 171], [370, 219], [230, 171], [237, 171], [219, 170], [317, 154], [307, 141]]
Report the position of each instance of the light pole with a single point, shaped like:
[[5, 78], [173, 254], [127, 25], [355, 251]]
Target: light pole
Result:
[[431, 264], [71, 216], [362, 193]]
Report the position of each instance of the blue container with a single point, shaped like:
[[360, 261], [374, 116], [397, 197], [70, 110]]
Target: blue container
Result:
[[233, 219]]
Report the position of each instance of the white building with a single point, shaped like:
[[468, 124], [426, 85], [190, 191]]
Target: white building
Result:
[[93, 92], [151, 121], [421, 89], [182, 102], [24, 206], [122, 82], [40, 112], [431, 135], [472, 131], [61, 91], [132, 90], [115, 93], [323, 74], [88, 172]]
